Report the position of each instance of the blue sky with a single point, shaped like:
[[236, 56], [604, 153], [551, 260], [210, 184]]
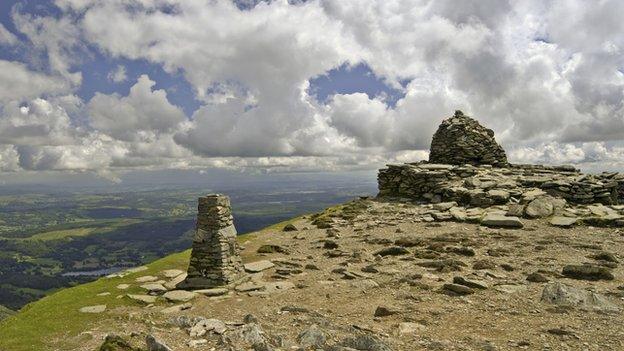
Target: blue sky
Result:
[[110, 87]]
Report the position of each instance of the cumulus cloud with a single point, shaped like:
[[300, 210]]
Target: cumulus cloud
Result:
[[18, 83], [143, 110], [548, 77], [118, 75]]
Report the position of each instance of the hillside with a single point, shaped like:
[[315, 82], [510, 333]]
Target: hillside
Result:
[[368, 275], [5, 312]]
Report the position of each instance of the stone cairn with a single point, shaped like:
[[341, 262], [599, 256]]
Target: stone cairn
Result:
[[462, 140], [457, 173], [215, 259]]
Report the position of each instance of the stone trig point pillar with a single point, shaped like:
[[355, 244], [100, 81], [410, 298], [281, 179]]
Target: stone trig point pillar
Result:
[[215, 259]]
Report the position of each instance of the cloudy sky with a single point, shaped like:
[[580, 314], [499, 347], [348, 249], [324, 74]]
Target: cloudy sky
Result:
[[116, 86]]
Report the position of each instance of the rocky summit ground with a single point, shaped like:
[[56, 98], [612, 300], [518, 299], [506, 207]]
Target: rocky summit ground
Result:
[[372, 275]]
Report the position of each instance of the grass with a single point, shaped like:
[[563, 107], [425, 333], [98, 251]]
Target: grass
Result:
[[92, 227], [56, 317], [61, 234]]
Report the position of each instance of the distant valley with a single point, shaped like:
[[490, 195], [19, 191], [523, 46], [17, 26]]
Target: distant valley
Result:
[[54, 240]]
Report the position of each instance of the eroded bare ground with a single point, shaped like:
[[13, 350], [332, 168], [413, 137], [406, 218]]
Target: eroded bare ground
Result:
[[375, 280]]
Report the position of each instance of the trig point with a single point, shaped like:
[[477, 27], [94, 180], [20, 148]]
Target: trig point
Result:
[[215, 259]]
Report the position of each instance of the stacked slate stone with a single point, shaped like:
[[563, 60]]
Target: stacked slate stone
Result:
[[462, 140], [485, 186], [215, 259]]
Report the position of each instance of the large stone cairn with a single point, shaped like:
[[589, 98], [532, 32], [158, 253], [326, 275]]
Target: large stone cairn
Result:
[[462, 140], [215, 259], [468, 167]]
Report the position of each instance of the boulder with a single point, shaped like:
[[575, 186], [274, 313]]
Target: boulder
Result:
[[539, 208], [565, 295]]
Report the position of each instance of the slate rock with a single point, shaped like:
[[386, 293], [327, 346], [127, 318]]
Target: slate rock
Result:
[[539, 208], [565, 295], [154, 344], [501, 221], [385, 311], [212, 292], [179, 295], [312, 337], [471, 283], [565, 222], [537, 277], [365, 342], [154, 287], [258, 266], [142, 298], [290, 228], [272, 249], [587, 272], [457, 289], [172, 273], [392, 251]]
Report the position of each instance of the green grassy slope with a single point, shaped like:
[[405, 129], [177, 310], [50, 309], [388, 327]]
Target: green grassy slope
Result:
[[57, 316], [5, 312]]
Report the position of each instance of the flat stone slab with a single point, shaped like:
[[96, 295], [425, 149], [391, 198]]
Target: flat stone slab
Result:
[[123, 286], [179, 295], [146, 278], [154, 287], [171, 273], [501, 221], [142, 298], [212, 292], [93, 309], [249, 286], [560, 221], [171, 285], [258, 266]]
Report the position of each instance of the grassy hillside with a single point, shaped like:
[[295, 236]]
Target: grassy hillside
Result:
[[5, 312], [57, 316]]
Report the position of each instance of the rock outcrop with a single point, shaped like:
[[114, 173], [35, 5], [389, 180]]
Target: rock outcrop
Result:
[[215, 259], [462, 140]]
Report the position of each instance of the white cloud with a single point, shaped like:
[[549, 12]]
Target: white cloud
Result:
[[6, 37], [36, 123], [118, 75], [18, 83], [142, 110]]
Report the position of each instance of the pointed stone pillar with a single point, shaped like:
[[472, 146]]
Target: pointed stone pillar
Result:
[[215, 259]]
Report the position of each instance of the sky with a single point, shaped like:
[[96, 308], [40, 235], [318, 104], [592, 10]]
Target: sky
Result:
[[108, 88]]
